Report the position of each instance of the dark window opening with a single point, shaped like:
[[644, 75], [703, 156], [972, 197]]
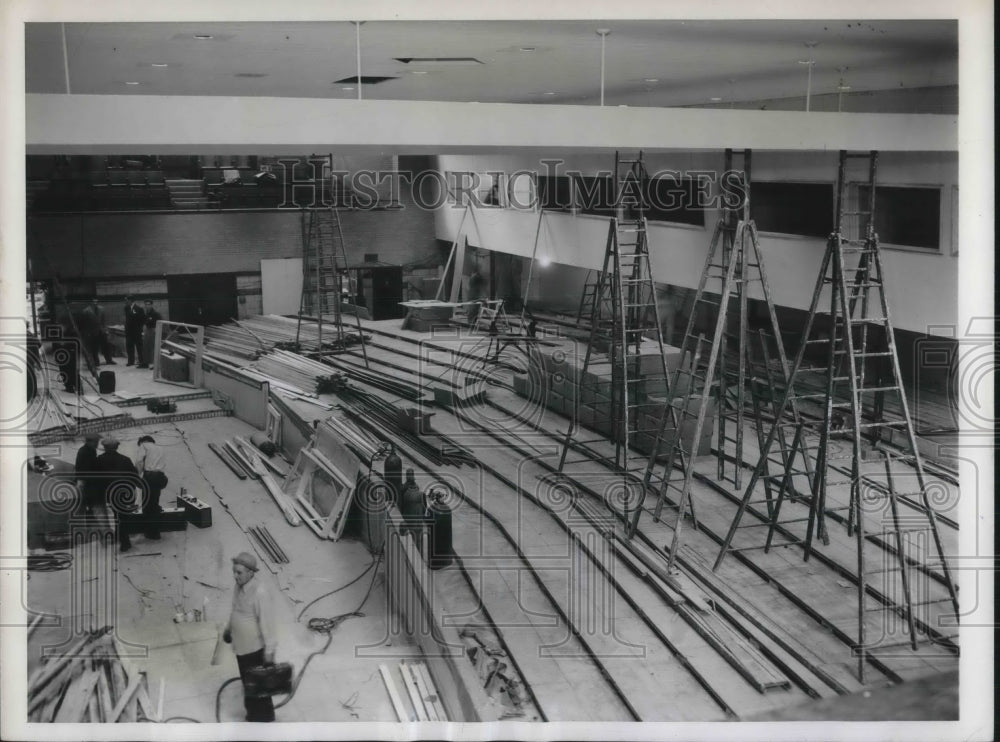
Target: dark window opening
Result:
[[554, 192], [674, 200], [905, 216], [793, 208], [595, 195]]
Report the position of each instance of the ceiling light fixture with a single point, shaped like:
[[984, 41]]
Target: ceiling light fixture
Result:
[[203, 36], [651, 79], [527, 48], [159, 64], [809, 79], [357, 46], [603, 33], [418, 72], [842, 88], [131, 82], [350, 87], [715, 100]]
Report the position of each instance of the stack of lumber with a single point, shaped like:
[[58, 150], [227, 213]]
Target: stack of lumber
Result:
[[424, 702], [244, 460], [298, 371], [91, 681], [247, 338]]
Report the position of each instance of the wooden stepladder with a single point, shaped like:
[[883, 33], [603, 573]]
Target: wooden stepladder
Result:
[[715, 374], [847, 394], [625, 334], [325, 276]]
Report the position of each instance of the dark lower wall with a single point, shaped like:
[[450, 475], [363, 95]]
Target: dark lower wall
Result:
[[145, 244]]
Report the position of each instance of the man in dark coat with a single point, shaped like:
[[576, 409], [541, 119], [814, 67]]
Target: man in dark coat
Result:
[[149, 335], [91, 488], [94, 328], [119, 478], [135, 318], [66, 353]]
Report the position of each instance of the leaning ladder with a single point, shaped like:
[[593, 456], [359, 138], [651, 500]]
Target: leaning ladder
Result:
[[324, 276], [848, 393], [625, 322]]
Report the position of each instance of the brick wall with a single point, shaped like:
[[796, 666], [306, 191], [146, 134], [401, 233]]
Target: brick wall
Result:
[[111, 255], [120, 245]]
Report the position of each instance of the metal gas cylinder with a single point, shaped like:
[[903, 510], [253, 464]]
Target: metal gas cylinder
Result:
[[392, 471], [438, 515], [411, 500]]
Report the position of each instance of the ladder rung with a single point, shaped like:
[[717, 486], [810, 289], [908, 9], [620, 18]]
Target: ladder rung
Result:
[[764, 546], [899, 532], [778, 524], [889, 424], [894, 607], [921, 639], [779, 477]]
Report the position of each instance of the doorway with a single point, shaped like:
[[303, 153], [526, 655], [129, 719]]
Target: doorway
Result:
[[202, 298]]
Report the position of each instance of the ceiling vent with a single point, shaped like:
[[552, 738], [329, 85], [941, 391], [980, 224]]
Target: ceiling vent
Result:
[[365, 80], [250, 74], [440, 61]]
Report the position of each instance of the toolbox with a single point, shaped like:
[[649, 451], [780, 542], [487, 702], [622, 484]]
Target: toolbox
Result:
[[198, 513], [172, 519]]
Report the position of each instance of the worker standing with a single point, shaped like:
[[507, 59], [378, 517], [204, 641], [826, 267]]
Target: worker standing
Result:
[[151, 317], [119, 478], [66, 352], [150, 464], [98, 342], [251, 631], [87, 482], [134, 319]]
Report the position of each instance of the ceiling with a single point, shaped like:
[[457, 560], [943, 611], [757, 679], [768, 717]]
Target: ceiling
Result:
[[647, 62]]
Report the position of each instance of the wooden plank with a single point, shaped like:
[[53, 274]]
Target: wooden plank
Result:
[[411, 689], [145, 703], [159, 702], [78, 697], [429, 696], [126, 697], [397, 702], [425, 694], [284, 503], [46, 672], [104, 694], [228, 461], [49, 709], [435, 697], [93, 713], [34, 625]]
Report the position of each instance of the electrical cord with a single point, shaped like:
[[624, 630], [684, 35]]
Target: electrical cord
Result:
[[50, 562], [337, 590]]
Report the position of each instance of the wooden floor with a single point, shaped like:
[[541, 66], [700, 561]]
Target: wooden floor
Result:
[[810, 606], [595, 632]]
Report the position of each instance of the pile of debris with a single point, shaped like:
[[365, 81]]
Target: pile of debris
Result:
[[90, 682]]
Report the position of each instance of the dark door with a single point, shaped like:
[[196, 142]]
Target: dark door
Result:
[[387, 292], [202, 298]]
